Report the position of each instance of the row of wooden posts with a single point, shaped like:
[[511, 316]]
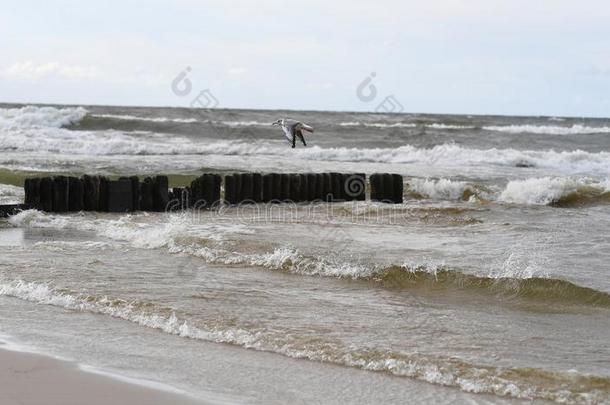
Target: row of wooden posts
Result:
[[98, 193]]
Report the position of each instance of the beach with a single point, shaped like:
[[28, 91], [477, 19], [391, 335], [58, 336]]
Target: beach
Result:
[[27, 378], [488, 284]]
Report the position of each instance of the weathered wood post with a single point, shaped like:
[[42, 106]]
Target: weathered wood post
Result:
[[377, 191], [160, 193], [135, 192], [247, 187], [276, 188], [388, 188], [230, 196], [91, 193], [146, 194], [285, 193], [295, 188], [257, 187], [336, 186], [267, 193], [60, 194], [120, 198], [46, 194], [312, 183], [76, 192], [32, 192], [397, 189]]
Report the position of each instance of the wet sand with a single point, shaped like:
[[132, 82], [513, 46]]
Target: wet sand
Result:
[[27, 378]]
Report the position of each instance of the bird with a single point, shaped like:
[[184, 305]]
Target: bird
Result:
[[293, 129]]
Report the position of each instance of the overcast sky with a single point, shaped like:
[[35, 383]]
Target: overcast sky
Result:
[[535, 57]]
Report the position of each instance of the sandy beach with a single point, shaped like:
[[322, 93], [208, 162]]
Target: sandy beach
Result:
[[27, 378]]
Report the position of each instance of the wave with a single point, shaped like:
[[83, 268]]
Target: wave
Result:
[[378, 124], [553, 191], [441, 189], [34, 117], [10, 194], [559, 191], [434, 125], [449, 126], [210, 243], [520, 383], [537, 289], [147, 119], [242, 123], [549, 129], [39, 129]]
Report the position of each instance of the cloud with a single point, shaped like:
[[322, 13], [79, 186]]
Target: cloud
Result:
[[32, 71]]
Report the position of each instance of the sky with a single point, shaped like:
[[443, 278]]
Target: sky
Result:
[[513, 57]]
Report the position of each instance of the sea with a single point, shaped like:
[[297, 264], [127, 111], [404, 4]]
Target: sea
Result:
[[489, 284]]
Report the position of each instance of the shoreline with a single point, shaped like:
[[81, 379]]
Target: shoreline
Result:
[[34, 378]]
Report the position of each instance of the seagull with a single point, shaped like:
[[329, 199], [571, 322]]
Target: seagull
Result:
[[293, 129]]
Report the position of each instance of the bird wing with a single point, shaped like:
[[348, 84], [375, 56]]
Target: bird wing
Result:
[[307, 128], [288, 132]]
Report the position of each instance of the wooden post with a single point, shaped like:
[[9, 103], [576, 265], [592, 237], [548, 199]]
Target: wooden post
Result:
[[160, 193], [60, 194], [146, 194], [32, 192], [120, 198], [257, 187], [46, 194], [397, 189], [76, 191], [377, 192]]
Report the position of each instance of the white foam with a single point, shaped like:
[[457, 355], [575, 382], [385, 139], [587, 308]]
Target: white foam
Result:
[[470, 378], [10, 194], [378, 124], [549, 129], [448, 126], [147, 119], [441, 189], [32, 117], [548, 190], [53, 139], [246, 123], [434, 125]]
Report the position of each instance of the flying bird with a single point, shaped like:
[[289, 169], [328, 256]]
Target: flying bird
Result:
[[293, 129]]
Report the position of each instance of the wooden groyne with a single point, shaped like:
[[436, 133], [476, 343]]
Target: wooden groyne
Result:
[[128, 194]]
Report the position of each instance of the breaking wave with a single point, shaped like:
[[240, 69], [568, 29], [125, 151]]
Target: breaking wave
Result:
[[549, 129], [147, 119], [445, 371], [31, 116], [520, 383], [40, 129], [441, 189], [378, 124], [560, 191], [210, 242], [11, 194], [433, 125]]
